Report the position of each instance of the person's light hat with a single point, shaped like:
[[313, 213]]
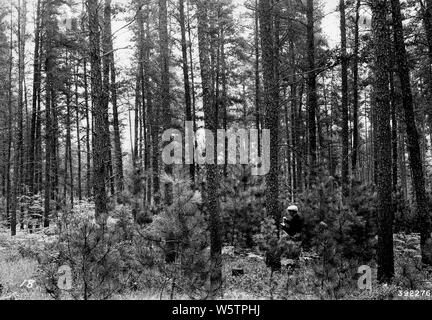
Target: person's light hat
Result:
[[293, 208]]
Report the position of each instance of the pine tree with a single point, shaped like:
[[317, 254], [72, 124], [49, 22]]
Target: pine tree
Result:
[[101, 136], [383, 141], [212, 182], [415, 157]]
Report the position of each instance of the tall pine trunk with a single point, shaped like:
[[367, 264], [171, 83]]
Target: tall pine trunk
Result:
[[257, 78], [187, 89], [355, 90], [312, 102], [35, 99], [212, 189], [414, 151], [19, 137], [101, 136], [106, 92], [88, 135], [118, 156], [345, 115], [10, 128], [78, 136], [271, 93], [165, 86], [382, 141]]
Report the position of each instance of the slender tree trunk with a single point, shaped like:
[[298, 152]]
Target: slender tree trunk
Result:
[[165, 86], [106, 65], [393, 103], [257, 78], [88, 136], [345, 115], [18, 151], [36, 94], [154, 114], [294, 123], [356, 134], [191, 64], [49, 97], [224, 97], [118, 156], [288, 149], [312, 91], [10, 129], [152, 141], [402, 161], [78, 133], [426, 7], [300, 135], [140, 95], [68, 149]]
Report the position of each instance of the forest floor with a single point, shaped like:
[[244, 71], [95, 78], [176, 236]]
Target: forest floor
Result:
[[256, 282]]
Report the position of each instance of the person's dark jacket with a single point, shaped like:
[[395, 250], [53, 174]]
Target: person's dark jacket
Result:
[[295, 226]]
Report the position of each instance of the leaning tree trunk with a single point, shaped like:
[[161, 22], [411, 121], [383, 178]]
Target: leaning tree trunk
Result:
[[415, 157]]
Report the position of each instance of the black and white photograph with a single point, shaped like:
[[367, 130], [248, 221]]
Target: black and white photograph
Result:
[[215, 155]]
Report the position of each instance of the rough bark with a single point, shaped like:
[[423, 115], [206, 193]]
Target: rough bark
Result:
[[118, 156], [212, 189], [383, 142], [101, 136], [413, 139], [165, 100], [35, 99], [88, 135], [312, 102], [19, 136], [345, 115], [78, 136], [187, 89]]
